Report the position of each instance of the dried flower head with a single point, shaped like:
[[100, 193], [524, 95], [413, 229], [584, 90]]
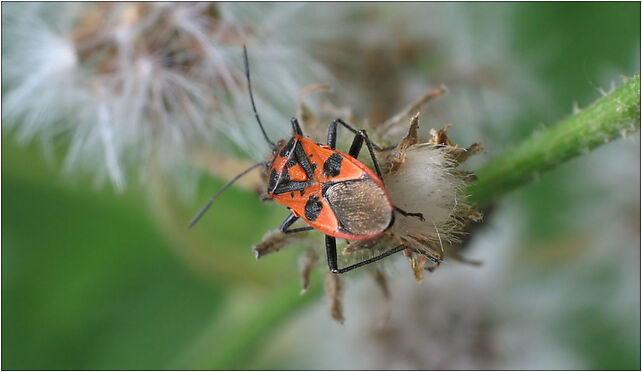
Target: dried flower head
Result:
[[423, 178]]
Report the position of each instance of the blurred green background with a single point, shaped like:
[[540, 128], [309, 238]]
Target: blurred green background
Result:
[[94, 279]]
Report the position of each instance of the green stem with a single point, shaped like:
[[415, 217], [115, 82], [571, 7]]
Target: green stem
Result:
[[615, 115]]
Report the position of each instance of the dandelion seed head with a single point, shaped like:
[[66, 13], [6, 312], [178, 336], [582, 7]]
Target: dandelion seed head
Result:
[[143, 84]]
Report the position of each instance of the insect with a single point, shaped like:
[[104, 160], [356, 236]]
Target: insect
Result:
[[330, 190]]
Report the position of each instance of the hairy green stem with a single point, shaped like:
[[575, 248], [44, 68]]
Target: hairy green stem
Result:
[[614, 115]]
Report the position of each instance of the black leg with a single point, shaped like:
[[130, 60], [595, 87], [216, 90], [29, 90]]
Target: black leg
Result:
[[357, 143], [355, 148], [299, 229], [406, 214], [296, 128], [351, 129], [289, 220], [332, 135], [360, 137], [331, 252]]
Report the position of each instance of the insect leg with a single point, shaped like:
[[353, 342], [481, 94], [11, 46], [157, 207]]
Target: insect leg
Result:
[[332, 135], [406, 214], [354, 131], [331, 251], [296, 128], [355, 148], [360, 136], [289, 220]]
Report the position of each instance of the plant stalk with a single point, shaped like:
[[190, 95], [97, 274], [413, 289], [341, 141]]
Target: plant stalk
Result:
[[615, 115]]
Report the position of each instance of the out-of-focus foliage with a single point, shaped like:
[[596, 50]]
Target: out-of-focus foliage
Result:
[[98, 280], [87, 281]]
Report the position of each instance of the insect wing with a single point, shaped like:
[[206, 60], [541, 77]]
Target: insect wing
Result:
[[361, 207]]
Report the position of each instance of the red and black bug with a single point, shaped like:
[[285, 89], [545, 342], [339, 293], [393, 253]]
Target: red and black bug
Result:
[[330, 190]]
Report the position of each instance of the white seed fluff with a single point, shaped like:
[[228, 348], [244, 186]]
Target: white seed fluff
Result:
[[425, 183], [139, 84]]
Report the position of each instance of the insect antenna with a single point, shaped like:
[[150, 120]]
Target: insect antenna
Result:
[[249, 88], [209, 203]]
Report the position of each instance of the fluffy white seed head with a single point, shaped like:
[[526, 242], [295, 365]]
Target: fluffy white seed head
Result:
[[425, 183], [140, 84]]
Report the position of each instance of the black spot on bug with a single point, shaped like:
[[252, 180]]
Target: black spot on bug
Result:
[[291, 163], [304, 161], [314, 167], [274, 178], [313, 208], [285, 151], [285, 176], [292, 194], [302, 191], [272, 182], [332, 166]]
